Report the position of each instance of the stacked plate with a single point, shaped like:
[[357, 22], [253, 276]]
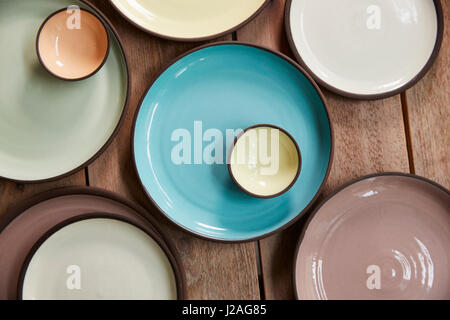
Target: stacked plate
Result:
[[86, 243]]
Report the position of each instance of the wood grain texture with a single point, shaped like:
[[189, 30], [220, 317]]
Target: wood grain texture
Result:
[[369, 138], [428, 108], [213, 270], [11, 194]]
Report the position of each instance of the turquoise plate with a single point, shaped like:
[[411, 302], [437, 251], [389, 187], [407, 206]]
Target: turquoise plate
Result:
[[219, 87]]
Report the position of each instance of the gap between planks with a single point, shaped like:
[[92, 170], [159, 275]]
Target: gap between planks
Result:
[[86, 175], [408, 137]]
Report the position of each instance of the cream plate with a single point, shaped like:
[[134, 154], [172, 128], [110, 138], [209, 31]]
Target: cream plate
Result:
[[364, 47], [99, 258], [188, 20]]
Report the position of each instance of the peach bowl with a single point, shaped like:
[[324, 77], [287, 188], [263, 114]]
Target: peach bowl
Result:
[[72, 44]]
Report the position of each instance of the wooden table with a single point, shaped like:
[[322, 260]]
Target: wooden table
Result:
[[406, 133]]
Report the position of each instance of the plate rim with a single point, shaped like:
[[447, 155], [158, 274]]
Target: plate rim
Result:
[[191, 39], [100, 215], [327, 112], [335, 192], [374, 96], [34, 200], [94, 10]]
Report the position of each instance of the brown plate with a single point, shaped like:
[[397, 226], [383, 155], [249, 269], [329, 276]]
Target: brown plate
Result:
[[24, 227], [380, 237]]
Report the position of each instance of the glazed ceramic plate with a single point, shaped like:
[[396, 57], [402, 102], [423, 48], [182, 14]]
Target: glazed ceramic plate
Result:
[[363, 48], [98, 257], [187, 113], [50, 127], [381, 237], [189, 20], [45, 212]]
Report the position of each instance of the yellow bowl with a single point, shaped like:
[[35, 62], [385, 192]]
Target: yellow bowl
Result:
[[265, 161]]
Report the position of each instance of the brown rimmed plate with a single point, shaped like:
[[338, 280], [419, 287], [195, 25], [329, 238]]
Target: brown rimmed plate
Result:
[[51, 128], [385, 236], [182, 20], [36, 216], [99, 256], [209, 92], [362, 49]]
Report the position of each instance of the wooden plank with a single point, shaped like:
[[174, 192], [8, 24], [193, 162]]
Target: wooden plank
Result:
[[11, 194], [428, 109], [369, 137], [214, 270]]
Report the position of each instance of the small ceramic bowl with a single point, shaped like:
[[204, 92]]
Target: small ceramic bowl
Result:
[[72, 44], [265, 161]]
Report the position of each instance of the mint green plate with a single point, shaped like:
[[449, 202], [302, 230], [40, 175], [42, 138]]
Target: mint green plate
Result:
[[49, 127]]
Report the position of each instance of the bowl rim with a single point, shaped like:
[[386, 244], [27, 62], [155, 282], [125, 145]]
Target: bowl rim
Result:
[[327, 113], [102, 215], [105, 58], [191, 39], [119, 123], [295, 178], [372, 96], [335, 192]]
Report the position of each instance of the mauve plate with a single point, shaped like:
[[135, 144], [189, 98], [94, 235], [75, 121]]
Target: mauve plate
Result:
[[382, 237], [362, 48], [50, 127], [22, 228], [220, 87], [192, 20]]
